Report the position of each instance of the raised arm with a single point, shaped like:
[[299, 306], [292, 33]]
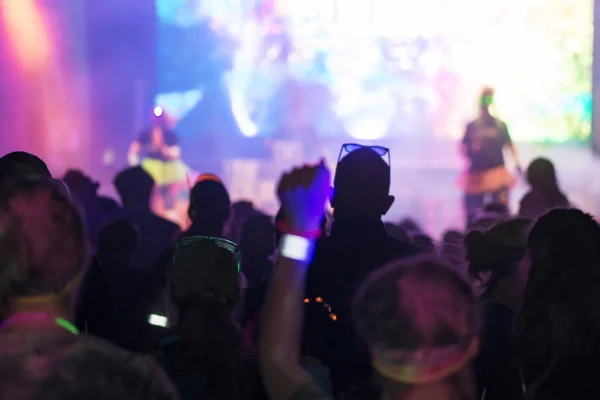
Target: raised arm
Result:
[[303, 194]]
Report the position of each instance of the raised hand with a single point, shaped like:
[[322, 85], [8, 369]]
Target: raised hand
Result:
[[303, 193]]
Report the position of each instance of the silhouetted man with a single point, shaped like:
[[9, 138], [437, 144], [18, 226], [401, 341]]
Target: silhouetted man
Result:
[[357, 245], [156, 234]]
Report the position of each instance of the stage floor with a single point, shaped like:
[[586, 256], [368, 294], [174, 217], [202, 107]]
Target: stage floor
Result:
[[424, 174]]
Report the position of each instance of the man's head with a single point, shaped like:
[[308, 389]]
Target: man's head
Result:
[[362, 185], [209, 202], [134, 186], [43, 245], [119, 240], [20, 164], [486, 99]]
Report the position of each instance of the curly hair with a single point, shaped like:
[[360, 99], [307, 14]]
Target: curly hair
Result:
[[42, 239], [417, 305], [559, 314]]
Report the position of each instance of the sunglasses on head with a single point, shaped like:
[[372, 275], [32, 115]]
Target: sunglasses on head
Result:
[[352, 147], [223, 243]]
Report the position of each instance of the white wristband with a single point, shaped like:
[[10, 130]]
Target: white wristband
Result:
[[296, 248]]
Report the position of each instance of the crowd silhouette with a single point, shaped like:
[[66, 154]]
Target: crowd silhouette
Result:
[[104, 299]]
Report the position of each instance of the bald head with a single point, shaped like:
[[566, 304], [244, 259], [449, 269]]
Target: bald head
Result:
[[362, 185]]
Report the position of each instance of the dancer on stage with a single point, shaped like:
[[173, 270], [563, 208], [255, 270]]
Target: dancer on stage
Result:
[[161, 159], [486, 179]]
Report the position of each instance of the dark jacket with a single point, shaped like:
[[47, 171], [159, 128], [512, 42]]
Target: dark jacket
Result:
[[342, 261]]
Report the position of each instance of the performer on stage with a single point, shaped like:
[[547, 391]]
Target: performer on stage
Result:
[[487, 179], [161, 159]]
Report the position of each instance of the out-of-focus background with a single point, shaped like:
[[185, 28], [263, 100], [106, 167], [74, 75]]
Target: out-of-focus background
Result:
[[255, 86]]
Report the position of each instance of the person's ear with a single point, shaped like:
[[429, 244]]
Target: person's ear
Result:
[[332, 196], [388, 204]]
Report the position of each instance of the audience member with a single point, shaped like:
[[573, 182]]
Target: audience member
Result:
[[420, 320], [157, 234], [557, 328], [418, 317], [544, 193], [358, 244], [96, 210], [133, 289], [20, 164], [203, 354], [209, 210], [494, 258], [43, 252]]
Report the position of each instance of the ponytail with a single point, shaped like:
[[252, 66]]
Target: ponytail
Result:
[[211, 340]]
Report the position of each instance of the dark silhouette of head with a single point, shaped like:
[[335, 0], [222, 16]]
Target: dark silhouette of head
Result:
[[43, 245], [210, 208], [559, 314], [20, 164], [417, 307], [362, 185], [497, 251], [205, 287], [80, 184], [119, 239], [541, 175], [134, 186]]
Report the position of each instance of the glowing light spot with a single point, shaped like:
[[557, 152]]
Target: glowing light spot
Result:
[[306, 301], [28, 32], [333, 317], [319, 300], [158, 111]]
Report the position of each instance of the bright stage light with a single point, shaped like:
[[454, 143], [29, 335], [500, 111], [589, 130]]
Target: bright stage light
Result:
[[158, 111]]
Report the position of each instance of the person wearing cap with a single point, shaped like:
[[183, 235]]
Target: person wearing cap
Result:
[[486, 178], [43, 258], [161, 159]]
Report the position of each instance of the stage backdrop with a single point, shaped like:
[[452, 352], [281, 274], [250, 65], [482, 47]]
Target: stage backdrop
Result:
[[375, 68]]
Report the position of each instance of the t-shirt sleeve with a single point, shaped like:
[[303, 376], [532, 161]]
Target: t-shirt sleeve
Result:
[[310, 392]]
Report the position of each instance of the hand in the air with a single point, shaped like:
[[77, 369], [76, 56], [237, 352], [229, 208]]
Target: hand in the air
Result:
[[303, 193]]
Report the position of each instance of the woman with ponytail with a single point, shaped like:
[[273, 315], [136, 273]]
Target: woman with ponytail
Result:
[[203, 355], [557, 328]]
